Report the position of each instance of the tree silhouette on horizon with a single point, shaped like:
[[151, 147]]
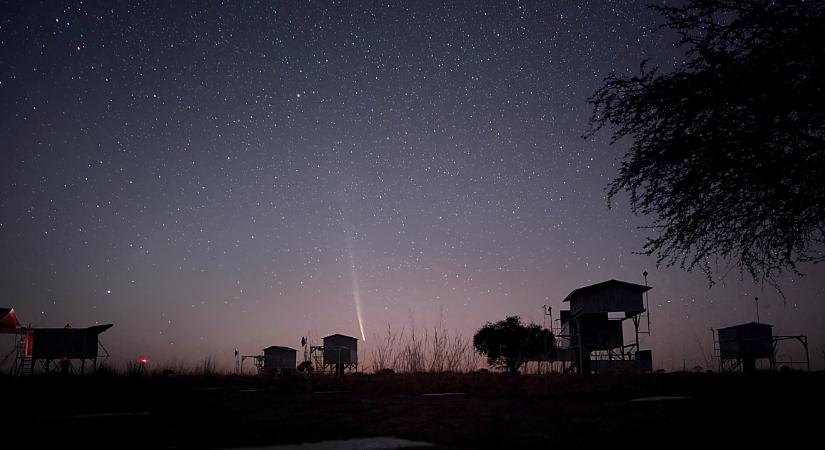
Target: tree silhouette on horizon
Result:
[[509, 343]]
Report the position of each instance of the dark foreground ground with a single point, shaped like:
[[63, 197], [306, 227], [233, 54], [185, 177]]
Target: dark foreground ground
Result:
[[530, 411]]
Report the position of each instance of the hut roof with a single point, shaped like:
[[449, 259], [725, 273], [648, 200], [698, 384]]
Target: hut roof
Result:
[[278, 347], [747, 325], [8, 321], [606, 285], [340, 335]]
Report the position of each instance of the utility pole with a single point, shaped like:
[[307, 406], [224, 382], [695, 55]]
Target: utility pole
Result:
[[756, 300], [647, 303]]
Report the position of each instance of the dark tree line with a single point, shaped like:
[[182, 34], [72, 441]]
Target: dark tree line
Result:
[[727, 152]]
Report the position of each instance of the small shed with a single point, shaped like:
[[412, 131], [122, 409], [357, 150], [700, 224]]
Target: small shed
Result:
[[279, 359], [66, 342], [598, 332], [746, 341], [340, 349], [740, 346], [606, 297], [593, 326], [56, 347]]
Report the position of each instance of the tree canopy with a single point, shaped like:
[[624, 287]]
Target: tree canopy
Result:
[[726, 151], [509, 343]]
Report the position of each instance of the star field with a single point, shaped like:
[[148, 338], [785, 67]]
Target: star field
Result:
[[194, 171]]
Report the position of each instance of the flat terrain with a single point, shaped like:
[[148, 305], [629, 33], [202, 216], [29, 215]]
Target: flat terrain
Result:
[[493, 410]]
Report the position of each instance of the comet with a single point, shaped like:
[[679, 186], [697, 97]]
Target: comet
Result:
[[353, 272]]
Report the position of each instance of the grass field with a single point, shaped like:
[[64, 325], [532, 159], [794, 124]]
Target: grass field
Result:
[[493, 411]]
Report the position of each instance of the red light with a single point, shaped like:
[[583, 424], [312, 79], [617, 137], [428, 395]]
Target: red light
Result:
[[144, 360]]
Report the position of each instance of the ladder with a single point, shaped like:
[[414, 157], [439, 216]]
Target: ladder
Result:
[[23, 365], [716, 350], [725, 365]]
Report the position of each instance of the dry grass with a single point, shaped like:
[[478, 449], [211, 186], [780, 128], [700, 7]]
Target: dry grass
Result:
[[206, 368], [411, 351]]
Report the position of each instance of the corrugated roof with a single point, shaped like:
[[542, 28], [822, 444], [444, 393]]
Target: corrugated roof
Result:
[[278, 347], [341, 335], [96, 329], [747, 325], [604, 285]]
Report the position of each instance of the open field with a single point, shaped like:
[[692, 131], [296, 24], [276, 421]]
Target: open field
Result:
[[494, 410]]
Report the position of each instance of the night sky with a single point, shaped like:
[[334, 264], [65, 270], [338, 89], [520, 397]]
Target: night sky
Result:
[[218, 175]]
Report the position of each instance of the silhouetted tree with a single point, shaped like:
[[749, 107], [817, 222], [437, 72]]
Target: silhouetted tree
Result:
[[509, 343], [726, 152], [305, 366]]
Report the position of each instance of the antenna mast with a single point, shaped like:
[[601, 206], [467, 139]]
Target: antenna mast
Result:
[[756, 300], [647, 302]]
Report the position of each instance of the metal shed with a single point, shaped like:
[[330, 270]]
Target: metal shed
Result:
[[606, 297], [56, 347], [279, 359], [71, 343], [341, 352], [741, 345], [746, 341], [598, 332], [593, 326]]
